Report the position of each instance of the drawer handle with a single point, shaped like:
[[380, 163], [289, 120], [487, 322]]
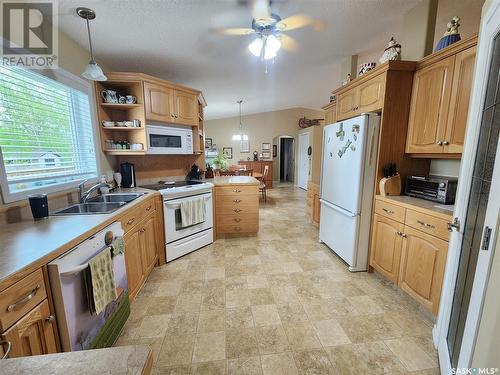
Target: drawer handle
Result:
[[426, 224], [50, 319], [149, 208], [142, 230], [237, 210], [388, 211], [131, 221], [237, 220], [28, 297], [237, 190], [9, 348], [237, 229], [237, 200], [401, 234]]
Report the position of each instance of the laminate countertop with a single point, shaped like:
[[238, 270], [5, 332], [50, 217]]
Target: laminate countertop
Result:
[[130, 360], [421, 205], [35, 243], [235, 180]]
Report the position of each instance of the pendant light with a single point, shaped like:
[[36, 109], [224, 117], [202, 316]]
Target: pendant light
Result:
[[240, 137], [92, 71]]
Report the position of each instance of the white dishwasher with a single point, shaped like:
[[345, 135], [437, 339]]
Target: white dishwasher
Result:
[[78, 328]]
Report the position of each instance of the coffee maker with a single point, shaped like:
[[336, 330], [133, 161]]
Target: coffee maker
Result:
[[127, 171]]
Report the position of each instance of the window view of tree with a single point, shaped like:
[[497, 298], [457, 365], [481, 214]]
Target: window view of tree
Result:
[[45, 130]]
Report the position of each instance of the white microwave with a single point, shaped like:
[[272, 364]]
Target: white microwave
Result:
[[169, 140]]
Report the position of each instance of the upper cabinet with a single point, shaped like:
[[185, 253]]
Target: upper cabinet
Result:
[[186, 108], [330, 113], [159, 102], [440, 101]]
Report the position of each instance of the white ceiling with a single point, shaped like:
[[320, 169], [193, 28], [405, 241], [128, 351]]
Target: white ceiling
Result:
[[171, 39]]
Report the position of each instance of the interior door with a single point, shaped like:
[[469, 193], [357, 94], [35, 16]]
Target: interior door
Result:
[[476, 209], [304, 161]]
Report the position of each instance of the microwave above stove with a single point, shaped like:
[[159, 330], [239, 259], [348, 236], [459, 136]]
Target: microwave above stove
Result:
[[169, 140], [434, 188]]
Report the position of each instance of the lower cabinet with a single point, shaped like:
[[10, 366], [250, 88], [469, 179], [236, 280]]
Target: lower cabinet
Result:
[[313, 202], [149, 239], [34, 334], [133, 261], [409, 248], [237, 209]]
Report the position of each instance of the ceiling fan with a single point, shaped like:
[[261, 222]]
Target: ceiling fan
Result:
[[269, 29]]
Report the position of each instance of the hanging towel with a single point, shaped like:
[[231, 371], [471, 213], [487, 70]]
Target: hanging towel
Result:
[[193, 211], [100, 282], [117, 246]]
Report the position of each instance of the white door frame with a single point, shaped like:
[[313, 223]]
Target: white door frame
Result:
[[489, 28], [302, 137]]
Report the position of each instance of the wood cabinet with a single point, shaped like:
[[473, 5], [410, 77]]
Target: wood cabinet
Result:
[[313, 203], [159, 102], [258, 166], [330, 113], [185, 108], [34, 334], [440, 101], [365, 97], [133, 261], [409, 246], [149, 239], [236, 209], [385, 253]]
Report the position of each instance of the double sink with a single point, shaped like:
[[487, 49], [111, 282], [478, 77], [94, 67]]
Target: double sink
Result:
[[101, 204]]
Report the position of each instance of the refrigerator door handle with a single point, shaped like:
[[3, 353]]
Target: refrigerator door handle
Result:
[[337, 208], [372, 147]]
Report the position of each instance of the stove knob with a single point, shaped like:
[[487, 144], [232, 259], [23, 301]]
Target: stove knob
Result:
[[442, 184]]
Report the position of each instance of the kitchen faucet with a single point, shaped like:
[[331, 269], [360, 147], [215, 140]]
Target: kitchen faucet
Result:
[[84, 195]]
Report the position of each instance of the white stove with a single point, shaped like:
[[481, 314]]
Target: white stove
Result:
[[181, 240]]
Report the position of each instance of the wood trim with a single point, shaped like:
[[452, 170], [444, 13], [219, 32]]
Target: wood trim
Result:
[[439, 156], [394, 65], [414, 207], [329, 106], [137, 77], [448, 51]]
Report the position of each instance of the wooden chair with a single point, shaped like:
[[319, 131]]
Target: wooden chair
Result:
[[227, 173], [262, 187], [245, 172]]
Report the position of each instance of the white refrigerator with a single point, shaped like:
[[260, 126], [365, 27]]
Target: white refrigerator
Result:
[[348, 170]]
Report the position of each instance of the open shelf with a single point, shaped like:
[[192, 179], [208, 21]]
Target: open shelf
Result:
[[122, 128], [120, 106], [125, 152]]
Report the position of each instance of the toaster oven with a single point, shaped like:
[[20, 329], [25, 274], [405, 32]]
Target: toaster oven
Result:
[[434, 188]]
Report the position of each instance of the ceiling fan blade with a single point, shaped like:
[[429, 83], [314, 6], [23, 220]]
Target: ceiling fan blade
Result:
[[298, 21], [261, 10], [288, 43], [233, 31]]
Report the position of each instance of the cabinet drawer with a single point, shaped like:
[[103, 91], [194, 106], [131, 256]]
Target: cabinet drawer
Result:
[[20, 298], [390, 210], [136, 214], [236, 190], [243, 204], [428, 224], [238, 219], [248, 226]]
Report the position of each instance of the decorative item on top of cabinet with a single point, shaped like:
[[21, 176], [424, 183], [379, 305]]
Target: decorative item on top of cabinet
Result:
[[451, 35], [392, 52], [440, 101]]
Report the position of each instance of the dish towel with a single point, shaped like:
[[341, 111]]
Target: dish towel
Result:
[[100, 282], [117, 246], [192, 211]]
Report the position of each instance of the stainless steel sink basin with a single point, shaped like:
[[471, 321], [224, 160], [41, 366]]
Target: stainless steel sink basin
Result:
[[90, 208], [118, 197]]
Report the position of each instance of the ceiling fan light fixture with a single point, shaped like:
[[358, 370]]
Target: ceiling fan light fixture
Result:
[[256, 47], [273, 43]]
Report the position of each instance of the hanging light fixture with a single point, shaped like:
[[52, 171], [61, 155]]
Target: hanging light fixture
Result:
[[240, 137], [265, 46], [92, 71]]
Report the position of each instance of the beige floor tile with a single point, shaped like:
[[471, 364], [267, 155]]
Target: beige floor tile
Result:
[[188, 303], [161, 305], [264, 315], [166, 289], [318, 310], [241, 342], [330, 333], [239, 318], [212, 321], [292, 313], [291, 267], [313, 362], [278, 364], [413, 357], [363, 305], [215, 273], [153, 326], [271, 339], [372, 327], [237, 298], [214, 299], [192, 287], [279, 280], [366, 358], [209, 347], [285, 294], [257, 282], [183, 323], [244, 366], [236, 282], [261, 296], [173, 370], [412, 324], [209, 368], [177, 350], [302, 336]]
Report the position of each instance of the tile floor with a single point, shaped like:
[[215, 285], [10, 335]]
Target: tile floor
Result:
[[278, 303]]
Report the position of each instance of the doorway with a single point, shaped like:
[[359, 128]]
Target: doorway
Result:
[[304, 161], [286, 159]]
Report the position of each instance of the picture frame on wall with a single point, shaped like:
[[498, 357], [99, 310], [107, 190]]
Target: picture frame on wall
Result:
[[266, 146], [245, 146], [227, 152], [208, 142], [266, 154], [275, 151]]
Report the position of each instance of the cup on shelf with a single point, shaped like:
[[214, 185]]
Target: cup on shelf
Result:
[[136, 123], [131, 99], [108, 124], [128, 123], [122, 99], [121, 123], [136, 146], [109, 96]]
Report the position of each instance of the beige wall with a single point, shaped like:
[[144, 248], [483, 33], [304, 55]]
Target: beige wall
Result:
[[260, 127]]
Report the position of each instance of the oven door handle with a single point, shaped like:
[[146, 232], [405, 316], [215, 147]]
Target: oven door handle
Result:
[[178, 205]]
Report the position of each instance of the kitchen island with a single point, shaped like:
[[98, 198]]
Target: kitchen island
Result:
[[236, 205]]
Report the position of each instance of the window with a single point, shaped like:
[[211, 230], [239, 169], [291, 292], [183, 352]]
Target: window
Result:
[[46, 133]]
